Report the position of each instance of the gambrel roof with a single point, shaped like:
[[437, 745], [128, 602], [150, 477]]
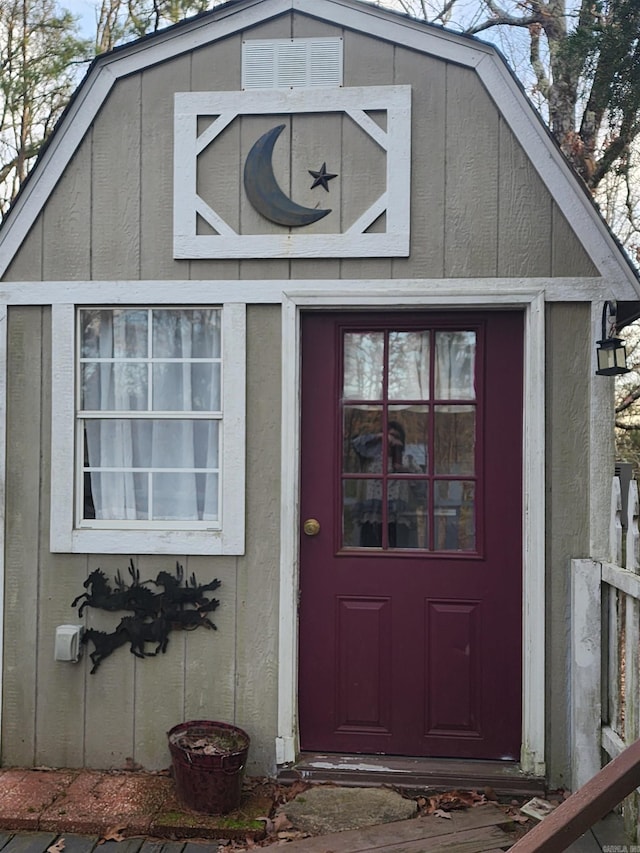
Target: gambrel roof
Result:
[[237, 17]]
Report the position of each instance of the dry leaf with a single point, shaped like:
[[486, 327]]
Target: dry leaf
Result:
[[269, 827], [113, 833], [442, 813], [296, 788], [449, 800], [281, 821], [56, 847]]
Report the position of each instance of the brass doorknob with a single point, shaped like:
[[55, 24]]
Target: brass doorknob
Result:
[[311, 527]]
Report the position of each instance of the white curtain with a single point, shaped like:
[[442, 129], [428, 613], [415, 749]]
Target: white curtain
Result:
[[156, 455]]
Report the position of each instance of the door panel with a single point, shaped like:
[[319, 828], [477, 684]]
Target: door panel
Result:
[[453, 658], [410, 606], [364, 665]]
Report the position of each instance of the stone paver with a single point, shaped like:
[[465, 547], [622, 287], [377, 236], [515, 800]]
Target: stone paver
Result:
[[27, 794], [93, 803], [329, 808]]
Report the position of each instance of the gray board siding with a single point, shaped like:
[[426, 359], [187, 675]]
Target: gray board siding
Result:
[[478, 207], [568, 349], [57, 714]]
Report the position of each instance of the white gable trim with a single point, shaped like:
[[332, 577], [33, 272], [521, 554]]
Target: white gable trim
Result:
[[528, 129]]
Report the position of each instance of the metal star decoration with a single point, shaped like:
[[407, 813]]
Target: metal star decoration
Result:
[[321, 178]]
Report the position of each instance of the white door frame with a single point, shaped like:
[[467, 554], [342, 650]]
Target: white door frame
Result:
[[532, 302]]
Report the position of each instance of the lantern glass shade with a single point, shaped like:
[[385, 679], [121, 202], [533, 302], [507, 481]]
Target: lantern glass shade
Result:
[[612, 357]]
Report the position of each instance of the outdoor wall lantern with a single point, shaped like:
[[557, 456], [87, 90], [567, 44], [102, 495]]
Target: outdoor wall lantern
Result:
[[611, 353]]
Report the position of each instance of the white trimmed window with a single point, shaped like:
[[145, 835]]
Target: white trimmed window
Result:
[[148, 429]]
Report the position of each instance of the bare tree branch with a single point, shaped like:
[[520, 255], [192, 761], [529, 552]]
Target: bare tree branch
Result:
[[628, 401]]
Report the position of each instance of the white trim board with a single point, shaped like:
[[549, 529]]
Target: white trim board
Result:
[[3, 479], [270, 290], [373, 21], [533, 731]]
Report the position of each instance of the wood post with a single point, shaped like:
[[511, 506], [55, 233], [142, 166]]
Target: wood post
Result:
[[586, 653]]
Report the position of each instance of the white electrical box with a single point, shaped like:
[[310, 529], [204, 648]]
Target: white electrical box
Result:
[[68, 643]]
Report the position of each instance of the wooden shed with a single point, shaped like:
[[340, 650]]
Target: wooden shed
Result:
[[301, 296]]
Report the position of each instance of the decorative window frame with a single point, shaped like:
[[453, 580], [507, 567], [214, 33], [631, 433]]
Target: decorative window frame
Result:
[[228, 534], [355, 241]]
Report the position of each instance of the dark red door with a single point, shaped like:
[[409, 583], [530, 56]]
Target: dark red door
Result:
[[411, 590]]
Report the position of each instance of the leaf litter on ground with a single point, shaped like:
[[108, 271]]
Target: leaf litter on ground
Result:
[[449, 800], [280, 832]]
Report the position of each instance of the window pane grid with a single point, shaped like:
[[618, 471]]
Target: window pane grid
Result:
[[120, 352], [433, 488]]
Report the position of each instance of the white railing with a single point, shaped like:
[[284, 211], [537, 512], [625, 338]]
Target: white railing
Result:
[[606, 651]]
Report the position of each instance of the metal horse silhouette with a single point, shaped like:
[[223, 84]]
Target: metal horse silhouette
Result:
[[180, 605]]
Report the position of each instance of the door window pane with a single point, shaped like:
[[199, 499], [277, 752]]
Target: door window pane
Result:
[[455, 365], [454, 439], [409, 365], [407, 513], [362, 513], [414, 435], [362, 439], [454, 515], [363, 365], [398, 451]]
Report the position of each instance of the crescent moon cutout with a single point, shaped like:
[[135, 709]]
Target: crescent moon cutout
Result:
[[264, 191]]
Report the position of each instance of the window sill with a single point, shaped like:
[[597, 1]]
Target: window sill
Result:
[[118, 541]]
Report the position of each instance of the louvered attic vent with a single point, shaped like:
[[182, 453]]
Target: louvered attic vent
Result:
[[285, 63]]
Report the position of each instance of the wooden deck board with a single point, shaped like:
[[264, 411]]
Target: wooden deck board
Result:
[[468, 841], [30, 842], [476, 830], [198, 847], [129, 845], [153, 846], [408, 836], [609, 831], [78, 843], [585, 844], [171, 847]]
